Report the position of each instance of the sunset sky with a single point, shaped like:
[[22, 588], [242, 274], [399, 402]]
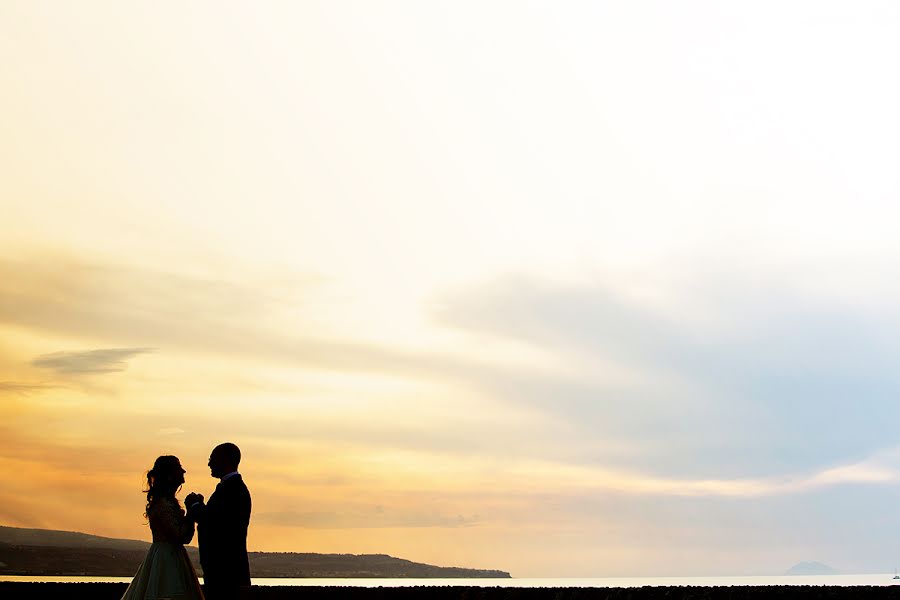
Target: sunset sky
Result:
[[564, 288]]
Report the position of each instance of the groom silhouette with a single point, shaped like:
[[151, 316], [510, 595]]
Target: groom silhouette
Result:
[[222, 526]]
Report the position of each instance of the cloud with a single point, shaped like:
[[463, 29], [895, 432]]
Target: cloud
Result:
[[212, 316], [45, 446], [167, 431], [579, 479], [15, 387], [193, 314], [105, 360], [374, 519], [757, 378]]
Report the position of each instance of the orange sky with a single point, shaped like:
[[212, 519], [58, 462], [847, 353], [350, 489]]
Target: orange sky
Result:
[[574, 290]]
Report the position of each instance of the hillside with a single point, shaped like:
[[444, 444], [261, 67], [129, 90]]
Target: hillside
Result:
[[47, 552], [66, 539], [811, 568]]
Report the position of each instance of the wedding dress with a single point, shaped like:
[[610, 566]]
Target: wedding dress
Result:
[[166, 573]]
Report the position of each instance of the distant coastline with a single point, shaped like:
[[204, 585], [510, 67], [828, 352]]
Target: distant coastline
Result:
[[42, 552]]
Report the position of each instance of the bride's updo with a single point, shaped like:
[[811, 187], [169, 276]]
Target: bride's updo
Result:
[[163, 480]]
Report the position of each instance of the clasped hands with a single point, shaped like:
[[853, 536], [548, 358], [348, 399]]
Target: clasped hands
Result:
[[192, 499]]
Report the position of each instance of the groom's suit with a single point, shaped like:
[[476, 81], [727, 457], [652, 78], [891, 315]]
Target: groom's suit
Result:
[[222, 536]]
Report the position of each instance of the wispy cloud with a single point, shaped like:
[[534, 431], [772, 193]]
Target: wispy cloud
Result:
[[121, 304], [755, 379], [17, 387], [104, 360], [575, 479], [377, 518], [676, 395], [170, 431]]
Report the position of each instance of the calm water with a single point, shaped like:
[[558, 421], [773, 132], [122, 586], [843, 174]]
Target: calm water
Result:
[[837, 580]]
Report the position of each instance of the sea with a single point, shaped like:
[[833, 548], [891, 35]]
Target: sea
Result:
[[877, 579]]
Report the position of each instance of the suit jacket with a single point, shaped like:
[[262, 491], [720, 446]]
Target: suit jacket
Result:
[[222, 534]]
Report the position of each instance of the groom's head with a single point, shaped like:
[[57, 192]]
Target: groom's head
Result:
[[224, 459]]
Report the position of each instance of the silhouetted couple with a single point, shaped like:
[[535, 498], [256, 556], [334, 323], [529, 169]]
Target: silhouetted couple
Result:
[[222, 522]]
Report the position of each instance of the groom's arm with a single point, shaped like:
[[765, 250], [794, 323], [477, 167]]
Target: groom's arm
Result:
[[195, 511]]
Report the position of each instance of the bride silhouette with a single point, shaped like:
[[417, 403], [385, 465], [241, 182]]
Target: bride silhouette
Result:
[[166, 571]]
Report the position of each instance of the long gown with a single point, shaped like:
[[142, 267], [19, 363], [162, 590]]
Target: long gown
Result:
[[166, 573]]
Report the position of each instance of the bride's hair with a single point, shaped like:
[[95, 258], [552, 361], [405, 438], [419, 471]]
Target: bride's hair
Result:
[[163, 480]]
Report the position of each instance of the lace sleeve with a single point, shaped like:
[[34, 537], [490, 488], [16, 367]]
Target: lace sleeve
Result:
[[169, 524]]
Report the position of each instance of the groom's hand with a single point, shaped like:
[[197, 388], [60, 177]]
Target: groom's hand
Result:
[[192, 499]]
